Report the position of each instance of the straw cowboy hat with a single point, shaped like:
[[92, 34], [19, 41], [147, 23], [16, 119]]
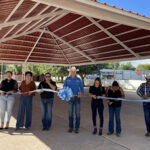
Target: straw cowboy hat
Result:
[[73, 69], [147, 76]]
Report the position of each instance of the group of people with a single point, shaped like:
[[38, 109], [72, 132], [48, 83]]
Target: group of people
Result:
[[9, 86]]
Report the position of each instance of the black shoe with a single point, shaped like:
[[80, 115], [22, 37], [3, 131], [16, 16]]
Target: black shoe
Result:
[[44, 128], [47, 128], [95, 131], [70, 130], [147, 134], [100, 132], [118, 134], [6, 128], [1, 128], [76, 130]]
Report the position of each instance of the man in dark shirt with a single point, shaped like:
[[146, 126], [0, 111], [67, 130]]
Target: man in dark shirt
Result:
[[47, 101]]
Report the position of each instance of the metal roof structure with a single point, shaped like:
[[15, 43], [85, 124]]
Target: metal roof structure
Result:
[[70, 32]]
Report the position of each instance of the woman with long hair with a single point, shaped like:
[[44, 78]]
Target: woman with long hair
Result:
[[114, 91], [97, 104], [7, 99]]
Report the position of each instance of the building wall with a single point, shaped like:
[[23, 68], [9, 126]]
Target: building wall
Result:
[[125, 84]]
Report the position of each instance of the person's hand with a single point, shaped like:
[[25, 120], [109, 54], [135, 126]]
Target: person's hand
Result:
[[29, 93], [40, 92], [9, 92], [79, 94], [116, 100], [2, 93], [48, 82], [109, 103], [107, 100], [145, 97], [94, 96]]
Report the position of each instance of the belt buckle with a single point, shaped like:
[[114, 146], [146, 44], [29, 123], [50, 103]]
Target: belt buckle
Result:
[[75, 96]]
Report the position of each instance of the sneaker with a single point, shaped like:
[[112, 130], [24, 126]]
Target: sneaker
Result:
[[118, 134], [70, 130], [76, 130], [147, 134], [17, 128], [100, 132], [27, 128], [95, 131], [109, 133]]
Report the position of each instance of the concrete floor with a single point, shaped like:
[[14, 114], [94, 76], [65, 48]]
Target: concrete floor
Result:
[[133, 129]]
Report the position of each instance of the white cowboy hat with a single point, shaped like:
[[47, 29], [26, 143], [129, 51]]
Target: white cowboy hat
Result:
[[73, 69], [147, 76]]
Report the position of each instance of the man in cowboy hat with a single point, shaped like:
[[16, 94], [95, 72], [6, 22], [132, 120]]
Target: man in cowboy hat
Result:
[[76, 85], [144, 92]]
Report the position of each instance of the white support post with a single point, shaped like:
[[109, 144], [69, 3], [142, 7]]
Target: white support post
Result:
[[72, 47], [34, 47], [112, 36]]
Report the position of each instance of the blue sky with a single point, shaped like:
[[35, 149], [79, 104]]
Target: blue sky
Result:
[[140, 6]]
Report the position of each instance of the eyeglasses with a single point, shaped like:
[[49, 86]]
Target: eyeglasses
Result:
[[47, 76]]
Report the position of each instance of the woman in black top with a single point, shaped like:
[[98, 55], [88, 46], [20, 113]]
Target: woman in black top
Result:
[[47, 101], [114, 91], [8, 87], [97, 104]]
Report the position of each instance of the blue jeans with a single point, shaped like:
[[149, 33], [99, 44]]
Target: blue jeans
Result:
[[25, 106], [6, 105], [114, 111], [46, 106], [146, 108], [74, 103]]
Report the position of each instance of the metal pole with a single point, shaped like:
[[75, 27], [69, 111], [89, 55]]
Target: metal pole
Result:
[[22, 72], [114, 71], [2, 71], [100, 71]]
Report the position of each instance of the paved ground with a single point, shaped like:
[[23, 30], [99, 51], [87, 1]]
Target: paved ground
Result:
[[58, 139]]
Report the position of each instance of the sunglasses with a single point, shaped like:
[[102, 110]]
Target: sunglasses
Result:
[[47, 76]]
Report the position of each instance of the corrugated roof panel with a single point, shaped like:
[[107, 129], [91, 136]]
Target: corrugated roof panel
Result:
[[22, 10], [73, 27], [6, 7], [61, 22]]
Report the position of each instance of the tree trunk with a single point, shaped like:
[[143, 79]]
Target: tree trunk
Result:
[[62, 79], [82, 77]]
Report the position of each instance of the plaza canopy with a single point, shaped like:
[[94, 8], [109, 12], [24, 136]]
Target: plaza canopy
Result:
[[70, 32]]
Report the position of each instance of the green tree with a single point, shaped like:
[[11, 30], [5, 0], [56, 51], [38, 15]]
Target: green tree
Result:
[[143, 67], [126, 66], [86, 70]]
